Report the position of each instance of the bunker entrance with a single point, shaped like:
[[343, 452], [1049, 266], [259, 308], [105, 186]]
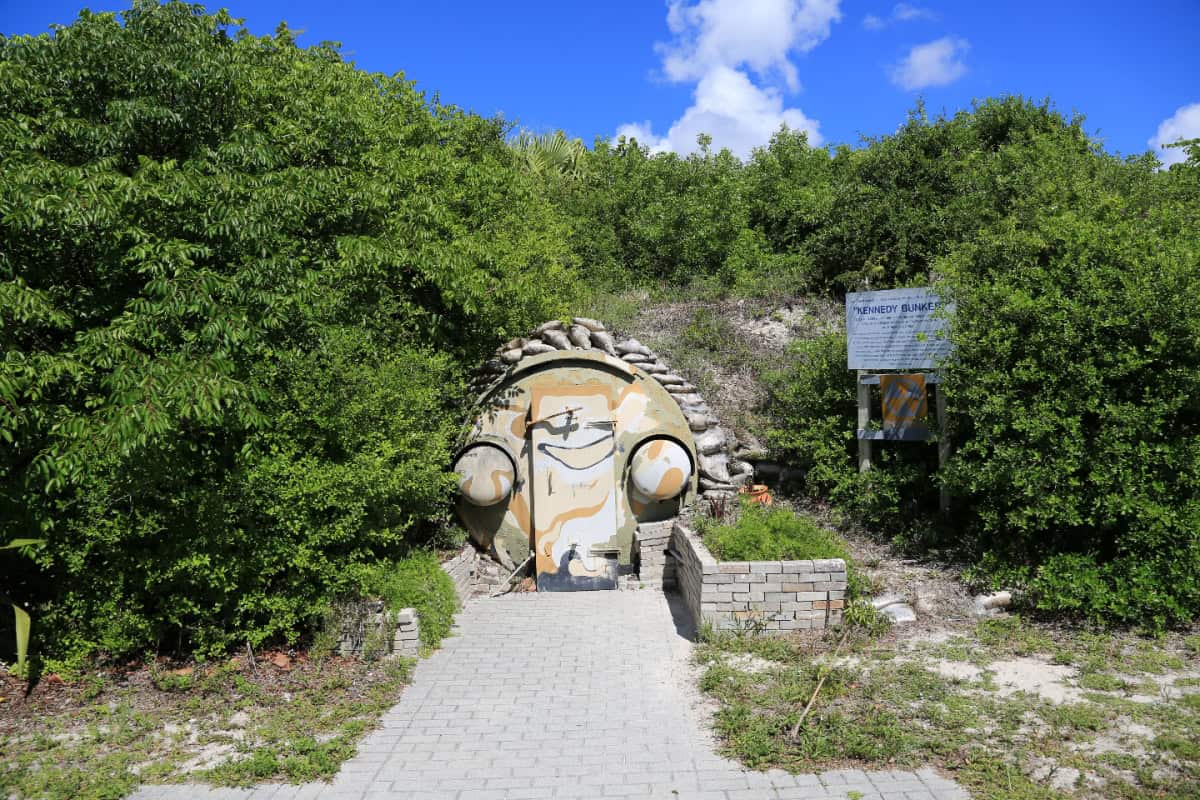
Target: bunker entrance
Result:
[[579, 443], [572, 482]]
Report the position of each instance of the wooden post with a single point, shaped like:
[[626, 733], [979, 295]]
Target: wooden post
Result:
[[943, 446], [864, 422]]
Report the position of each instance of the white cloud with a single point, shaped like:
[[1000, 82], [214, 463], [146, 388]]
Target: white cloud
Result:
[[1183, 124], [934, 64], [901, 12], [642, 131], [717, 44], [755, 33], [729, 107]]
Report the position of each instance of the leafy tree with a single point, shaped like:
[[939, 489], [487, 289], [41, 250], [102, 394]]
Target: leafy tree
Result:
[[1076, 381], [1073, 389], [552, 154], [660, 219], [239, 280]]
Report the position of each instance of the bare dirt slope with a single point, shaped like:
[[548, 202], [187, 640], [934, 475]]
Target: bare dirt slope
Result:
[[725, 347]]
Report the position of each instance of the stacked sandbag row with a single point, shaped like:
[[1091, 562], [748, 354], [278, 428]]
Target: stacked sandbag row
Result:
[[720, 473]]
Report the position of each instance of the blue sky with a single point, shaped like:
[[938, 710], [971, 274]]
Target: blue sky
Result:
[[737, 68]]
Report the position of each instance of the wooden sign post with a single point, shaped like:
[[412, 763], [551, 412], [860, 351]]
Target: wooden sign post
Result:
[[899, 330]]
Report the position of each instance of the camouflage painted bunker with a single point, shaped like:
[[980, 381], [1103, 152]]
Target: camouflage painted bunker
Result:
[[577, 442]]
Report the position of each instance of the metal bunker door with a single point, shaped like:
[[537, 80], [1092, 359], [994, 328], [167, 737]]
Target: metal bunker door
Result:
[[573, 487]]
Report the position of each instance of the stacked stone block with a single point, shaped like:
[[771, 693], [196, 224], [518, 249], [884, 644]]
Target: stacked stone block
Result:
[[473, 573], [771, 596], [406, 641], [650, 547], [463, 570], [366, 629]]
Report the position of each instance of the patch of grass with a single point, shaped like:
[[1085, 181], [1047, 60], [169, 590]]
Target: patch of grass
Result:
[[1149, 657], [995, 776], [92, 760], [956, 648], [1012, 635], [1186, 749], [299, 760], [713, 335], [1192, 643], [774, 534], [298, 725], [171, 682], [886, 710], [1099, 682], [93, 686], [617, 310], [1077, 717]]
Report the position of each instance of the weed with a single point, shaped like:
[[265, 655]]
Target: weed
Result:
[[146, 731], [171, 681], [1187, 749], [93, 686], [1192, 643], [1012, 635], [618, 310], [1149, 657], [861, 616], [885, 710], [324, 644], [1098, 681], [1077, 717]]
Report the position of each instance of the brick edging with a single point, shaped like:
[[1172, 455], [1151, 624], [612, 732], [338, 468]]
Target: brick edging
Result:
[[772, 596]]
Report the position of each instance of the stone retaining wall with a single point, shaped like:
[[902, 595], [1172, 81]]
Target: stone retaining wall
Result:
[[772, 596], [472, 573], [365, 629], [406, 641], [463, 569], [650, 552]]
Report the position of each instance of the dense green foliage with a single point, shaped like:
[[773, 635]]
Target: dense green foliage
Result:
[[239, 284], [1074, 393], [417, 582], [1077, 382], [813, 403], [241, 281]]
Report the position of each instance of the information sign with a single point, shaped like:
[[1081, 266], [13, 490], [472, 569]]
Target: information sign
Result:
[[902, 329]]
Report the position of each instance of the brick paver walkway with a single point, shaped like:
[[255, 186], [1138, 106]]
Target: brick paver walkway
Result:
[[583, 695]]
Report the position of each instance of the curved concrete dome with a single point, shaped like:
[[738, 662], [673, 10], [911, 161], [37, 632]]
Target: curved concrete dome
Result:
[[660, 469], [486, 474]]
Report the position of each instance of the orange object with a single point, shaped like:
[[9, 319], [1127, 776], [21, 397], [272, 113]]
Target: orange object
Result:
[[757, 494], [905, 404]]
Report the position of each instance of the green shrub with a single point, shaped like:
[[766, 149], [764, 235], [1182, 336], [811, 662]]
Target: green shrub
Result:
[[240, 282], [1074, 391], [813, 402], [417, 581], [1075, 387], [777, 534]]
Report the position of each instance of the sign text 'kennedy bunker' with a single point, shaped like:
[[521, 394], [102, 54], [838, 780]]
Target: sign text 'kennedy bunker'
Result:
[[896, 329]]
